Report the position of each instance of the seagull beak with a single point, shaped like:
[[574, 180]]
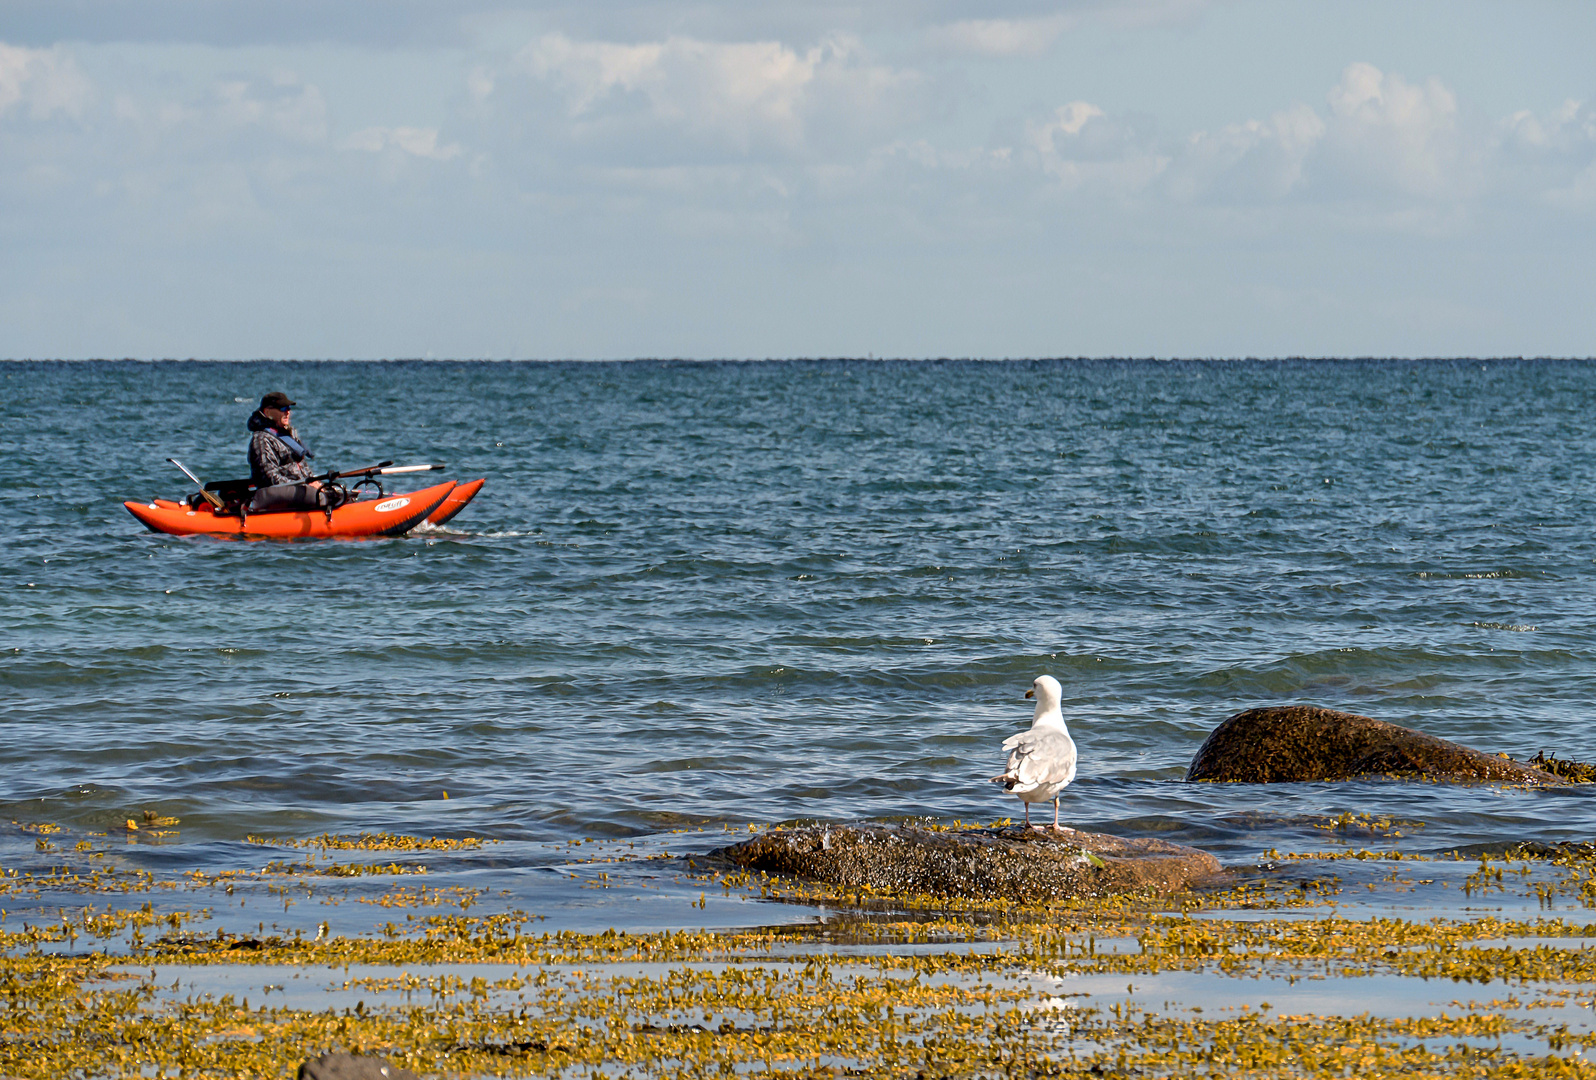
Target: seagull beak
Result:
[[1030, 693]]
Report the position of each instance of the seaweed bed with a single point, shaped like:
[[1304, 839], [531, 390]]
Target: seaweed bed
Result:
[[1315, 963]]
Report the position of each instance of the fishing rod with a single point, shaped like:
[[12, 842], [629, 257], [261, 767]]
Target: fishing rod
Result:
[[383, 468], [371, 475], [396, 469]]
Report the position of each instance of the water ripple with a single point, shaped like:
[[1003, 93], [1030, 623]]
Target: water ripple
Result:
[[719, 593]]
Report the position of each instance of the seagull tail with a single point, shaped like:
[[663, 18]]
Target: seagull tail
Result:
[[1006, 780]]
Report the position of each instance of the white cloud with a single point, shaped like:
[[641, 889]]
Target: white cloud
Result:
[[923, 153], [802, 159], [1556, 153], [1142, 14], [737, 92], [418, 142], [1380, 139], [1250, 160], [1080, 147], [1033, 35], [47, 80], [1385, 133], [479, 83], [1381, 136], [284, 106], [1571, 122], [1001, 37], [588, 70], [1067, 120]]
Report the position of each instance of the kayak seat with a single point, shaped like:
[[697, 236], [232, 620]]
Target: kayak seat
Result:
[[229, 489], [233, 494]]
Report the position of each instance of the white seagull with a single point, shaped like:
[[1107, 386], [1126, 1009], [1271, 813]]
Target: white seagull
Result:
[[1041, 760]]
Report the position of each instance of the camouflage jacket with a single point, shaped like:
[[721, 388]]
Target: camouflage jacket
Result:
[[270, 459]]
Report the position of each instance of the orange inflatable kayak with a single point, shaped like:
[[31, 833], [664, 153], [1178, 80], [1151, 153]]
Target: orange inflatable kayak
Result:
[[455, 501], [389, 515]]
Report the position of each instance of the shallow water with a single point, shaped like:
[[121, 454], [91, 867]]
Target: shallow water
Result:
[[703, 595]]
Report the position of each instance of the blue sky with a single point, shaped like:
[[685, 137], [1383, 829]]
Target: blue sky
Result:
[[378, 178]]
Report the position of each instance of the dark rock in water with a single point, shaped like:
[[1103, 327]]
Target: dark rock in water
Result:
[[1014, 863], [1568, 850], [352, 1067], [1303, 743]]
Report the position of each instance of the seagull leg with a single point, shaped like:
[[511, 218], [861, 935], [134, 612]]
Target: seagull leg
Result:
[[1027, 813], [1056, 826]]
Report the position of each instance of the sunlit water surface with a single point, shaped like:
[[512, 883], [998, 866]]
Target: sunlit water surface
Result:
[[698, 596]]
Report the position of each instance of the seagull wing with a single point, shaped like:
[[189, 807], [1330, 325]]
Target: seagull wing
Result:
[[1039, 760]]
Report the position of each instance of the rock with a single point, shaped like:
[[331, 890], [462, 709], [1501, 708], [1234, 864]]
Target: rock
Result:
[[352, 1067], [1301, 743], [1575, 772], [1014, 863]]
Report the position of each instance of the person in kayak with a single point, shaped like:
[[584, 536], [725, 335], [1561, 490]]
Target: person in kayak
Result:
[[276, 456], [277, 460]]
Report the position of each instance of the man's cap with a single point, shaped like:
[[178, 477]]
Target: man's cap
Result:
[[276, 400]]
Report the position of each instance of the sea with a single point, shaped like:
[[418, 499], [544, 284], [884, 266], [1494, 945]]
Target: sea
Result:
[[694, 598]]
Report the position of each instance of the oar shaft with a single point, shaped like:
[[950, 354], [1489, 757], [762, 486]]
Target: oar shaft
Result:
[[210, 496]]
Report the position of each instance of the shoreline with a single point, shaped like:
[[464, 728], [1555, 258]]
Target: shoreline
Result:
[[1308, 963]]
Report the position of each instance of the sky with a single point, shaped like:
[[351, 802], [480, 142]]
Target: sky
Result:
[[720, 179]]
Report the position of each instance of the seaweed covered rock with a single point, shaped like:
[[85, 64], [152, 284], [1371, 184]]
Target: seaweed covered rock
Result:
[[1302, 743], [340, 1066], [1575, 772], [1015, 863]]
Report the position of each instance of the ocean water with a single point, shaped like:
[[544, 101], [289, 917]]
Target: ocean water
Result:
[[694, 596]]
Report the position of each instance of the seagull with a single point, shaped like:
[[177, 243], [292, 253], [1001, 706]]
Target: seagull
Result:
[[1041, 760]]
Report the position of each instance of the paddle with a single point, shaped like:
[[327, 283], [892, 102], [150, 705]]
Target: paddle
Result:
[[210, 496]]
